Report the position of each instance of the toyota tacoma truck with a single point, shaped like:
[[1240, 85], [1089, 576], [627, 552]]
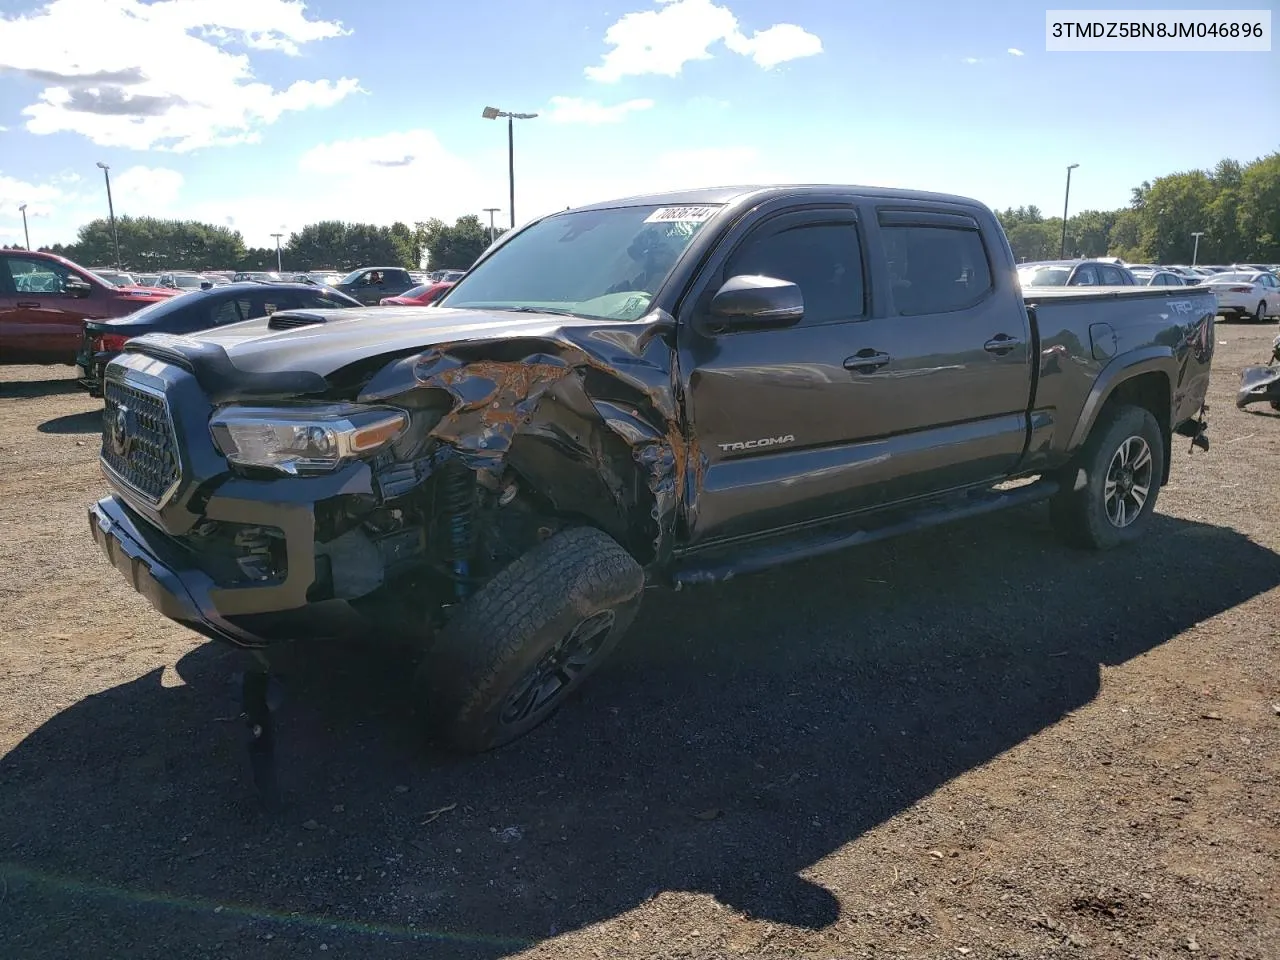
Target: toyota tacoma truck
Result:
[[658, 391]]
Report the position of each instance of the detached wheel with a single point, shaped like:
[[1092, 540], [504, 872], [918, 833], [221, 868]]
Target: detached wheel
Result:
[[1123, 463], [529, 638]]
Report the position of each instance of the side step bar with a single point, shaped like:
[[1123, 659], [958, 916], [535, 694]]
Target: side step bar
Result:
[[756, 558]]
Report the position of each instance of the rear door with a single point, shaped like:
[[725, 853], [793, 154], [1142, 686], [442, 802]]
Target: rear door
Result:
[[46, 324]]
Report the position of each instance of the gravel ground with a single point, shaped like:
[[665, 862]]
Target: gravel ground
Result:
[[972, 742]]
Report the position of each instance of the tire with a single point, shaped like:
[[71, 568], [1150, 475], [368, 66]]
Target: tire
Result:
[[1260, 314], [578, 587], [1088, 517]]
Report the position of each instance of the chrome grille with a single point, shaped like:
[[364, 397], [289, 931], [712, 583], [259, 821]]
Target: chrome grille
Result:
[[138, 442]]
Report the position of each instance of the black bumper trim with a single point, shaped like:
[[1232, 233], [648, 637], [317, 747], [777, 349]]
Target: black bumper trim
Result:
[[181, 597]]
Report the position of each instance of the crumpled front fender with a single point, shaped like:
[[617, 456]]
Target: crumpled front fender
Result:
[[587, 415]]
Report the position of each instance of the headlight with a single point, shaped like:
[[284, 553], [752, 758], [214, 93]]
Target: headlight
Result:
[[303, 440]]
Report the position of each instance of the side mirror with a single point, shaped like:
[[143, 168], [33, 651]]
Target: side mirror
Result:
[[756, 303], [78, 288], [206, 284]]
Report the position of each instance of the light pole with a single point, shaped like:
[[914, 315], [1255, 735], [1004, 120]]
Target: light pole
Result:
[[110, 209], [1196, 250], [491, 211], [279, 269], [1062, 251], [26, 236], [493, 113]]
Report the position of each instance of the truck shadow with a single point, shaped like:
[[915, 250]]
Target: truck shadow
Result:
[[32, 389], [90, 421], [742, 733]]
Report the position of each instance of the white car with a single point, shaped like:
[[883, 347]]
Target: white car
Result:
[[1246, 294]]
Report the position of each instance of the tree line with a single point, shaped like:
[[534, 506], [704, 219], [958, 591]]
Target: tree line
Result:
[[1235, 206], [152, 245]]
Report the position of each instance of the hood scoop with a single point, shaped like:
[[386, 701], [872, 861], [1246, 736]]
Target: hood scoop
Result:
[[287, 320]]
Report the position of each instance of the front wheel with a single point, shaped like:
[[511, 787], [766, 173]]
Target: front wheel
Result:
[[529, 638], [1110, 493], [1260, 314]]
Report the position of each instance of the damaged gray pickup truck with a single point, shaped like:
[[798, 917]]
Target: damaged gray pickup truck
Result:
[[664, 390]]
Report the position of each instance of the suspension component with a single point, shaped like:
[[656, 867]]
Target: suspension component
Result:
[[456, 520]]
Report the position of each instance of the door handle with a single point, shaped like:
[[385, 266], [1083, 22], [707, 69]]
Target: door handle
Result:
[[866, 361], [29, 303], [1001, 344]]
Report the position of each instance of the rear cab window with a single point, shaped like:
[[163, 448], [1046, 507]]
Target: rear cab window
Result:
[[938, 262]]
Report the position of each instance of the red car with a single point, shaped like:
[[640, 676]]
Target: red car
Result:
[[45, 300], [421, 296]]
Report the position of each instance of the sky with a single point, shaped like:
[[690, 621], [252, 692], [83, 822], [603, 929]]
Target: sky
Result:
[[266, 115]]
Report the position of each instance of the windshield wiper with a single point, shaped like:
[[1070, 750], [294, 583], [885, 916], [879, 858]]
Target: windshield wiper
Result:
[[551, 310]]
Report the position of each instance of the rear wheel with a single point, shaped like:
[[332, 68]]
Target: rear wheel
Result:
[[530, 637], [1110, 493]]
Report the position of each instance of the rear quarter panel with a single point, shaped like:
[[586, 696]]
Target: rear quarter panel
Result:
[[1090, 342]]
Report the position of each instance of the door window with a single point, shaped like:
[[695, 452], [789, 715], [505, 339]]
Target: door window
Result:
[[936, 269], [37, 276], [823, 259], [1111, 277], [229, 311], [1086, 276]]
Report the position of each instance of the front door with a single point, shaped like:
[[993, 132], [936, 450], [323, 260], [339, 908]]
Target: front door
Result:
[[47, 322], [903, 387]]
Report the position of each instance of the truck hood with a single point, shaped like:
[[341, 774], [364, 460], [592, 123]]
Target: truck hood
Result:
[[319, 342]]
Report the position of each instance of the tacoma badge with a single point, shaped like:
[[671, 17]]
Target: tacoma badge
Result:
[[755, 444]]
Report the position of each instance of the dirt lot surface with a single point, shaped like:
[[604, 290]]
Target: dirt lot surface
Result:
[[972, 742]]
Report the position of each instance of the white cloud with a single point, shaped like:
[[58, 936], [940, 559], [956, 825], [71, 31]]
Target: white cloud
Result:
[[971, 60], [1016, 52], [147, 187], [662, 41], [578, 110], [778, 44], [162, 75]]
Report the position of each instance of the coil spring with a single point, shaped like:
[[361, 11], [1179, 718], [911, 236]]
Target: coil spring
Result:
[[457, 488]]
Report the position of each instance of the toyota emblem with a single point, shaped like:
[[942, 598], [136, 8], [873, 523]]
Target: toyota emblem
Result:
[[120, 432]]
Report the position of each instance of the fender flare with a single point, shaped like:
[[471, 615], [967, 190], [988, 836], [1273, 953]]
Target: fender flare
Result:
[[1135, 363]]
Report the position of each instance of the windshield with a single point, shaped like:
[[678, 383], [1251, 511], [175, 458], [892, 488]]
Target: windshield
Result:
[[351, 277], [1044, 276], [603, 264], [414, 292], [187, 282]]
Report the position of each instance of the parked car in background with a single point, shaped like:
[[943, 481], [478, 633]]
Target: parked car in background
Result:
[[117, 278], [1074, 273], [421, 296], [199, 310], [453, 276], [45, 300], [263, 276], [328, 278], [1188, 274], [371, 284], [148, 279], [1156, 277], [1254, 294], [181, 281]]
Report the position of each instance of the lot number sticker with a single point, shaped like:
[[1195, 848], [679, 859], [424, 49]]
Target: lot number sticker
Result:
[[680, 215]]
